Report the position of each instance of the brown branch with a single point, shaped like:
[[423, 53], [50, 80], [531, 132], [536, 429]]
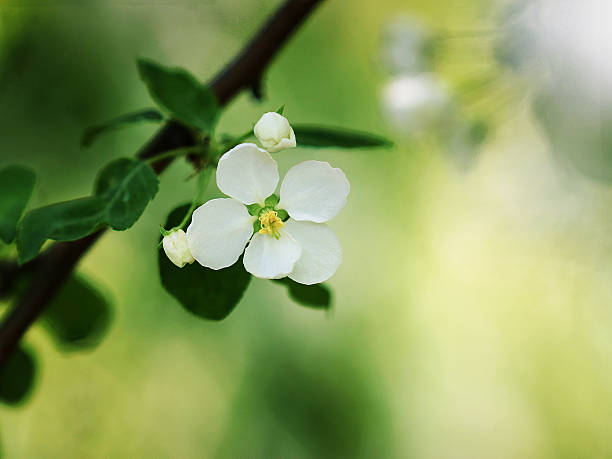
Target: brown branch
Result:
[[55, 266]]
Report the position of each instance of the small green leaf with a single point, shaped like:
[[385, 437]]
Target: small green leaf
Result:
[[204, 292], [17, 377], [281, 109], [322, 136], [16, 188], [78, 317], [317, 296], [180, 94], [147, 115], [271, 201], [122, 191]]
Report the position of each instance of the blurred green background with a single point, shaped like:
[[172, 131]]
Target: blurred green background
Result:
[[471, 312]]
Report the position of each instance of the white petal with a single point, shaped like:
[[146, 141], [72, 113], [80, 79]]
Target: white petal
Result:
[[247, 173], [314, 191], [321, 251], [218, 232], [271, 258]]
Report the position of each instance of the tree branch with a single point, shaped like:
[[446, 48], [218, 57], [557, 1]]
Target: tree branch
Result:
[[55, 266]]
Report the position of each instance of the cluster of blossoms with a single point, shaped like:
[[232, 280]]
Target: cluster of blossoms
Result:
[[280, 236], [414, 100]]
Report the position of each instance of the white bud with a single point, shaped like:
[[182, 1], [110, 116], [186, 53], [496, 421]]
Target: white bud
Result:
[[177, 249], [414, 104], [274, 132]]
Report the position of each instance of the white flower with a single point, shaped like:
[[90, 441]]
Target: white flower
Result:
[[274, 132], [414, 104], [177, 249], [302, 247]]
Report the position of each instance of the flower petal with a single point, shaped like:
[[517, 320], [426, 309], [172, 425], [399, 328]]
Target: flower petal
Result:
[[321, 251], [314, 191], [271, 258], [247, 173], [218, 232]]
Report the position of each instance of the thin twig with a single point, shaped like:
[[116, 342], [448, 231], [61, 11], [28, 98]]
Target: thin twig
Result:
[[245, 71]]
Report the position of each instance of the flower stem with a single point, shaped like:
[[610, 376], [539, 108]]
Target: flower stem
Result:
[[203, 180], [173, 153], [243, 137]]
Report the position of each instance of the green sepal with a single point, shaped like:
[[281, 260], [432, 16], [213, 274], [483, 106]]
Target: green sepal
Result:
[[281, 109], [164, 232], [254, 209], [256, 226], [271, 201], [282, 214]]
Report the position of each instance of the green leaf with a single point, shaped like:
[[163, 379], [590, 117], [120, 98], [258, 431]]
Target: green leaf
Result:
[[17, 377], [317, 296], [122, 191], [16, 188], [180, 94], [322, 136], [147, 115], [204, 292], [281, 109], [78, 317]]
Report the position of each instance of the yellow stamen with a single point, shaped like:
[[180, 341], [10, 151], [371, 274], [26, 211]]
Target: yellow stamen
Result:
[[270, 223]]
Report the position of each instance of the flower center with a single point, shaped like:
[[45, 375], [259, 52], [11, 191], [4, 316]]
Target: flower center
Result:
[[270, 223]]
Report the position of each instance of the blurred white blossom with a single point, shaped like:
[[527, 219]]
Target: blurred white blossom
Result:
[[406, 46], [414, 103]]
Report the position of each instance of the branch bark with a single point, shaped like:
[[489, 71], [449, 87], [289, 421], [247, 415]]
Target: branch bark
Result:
[[55, 266]]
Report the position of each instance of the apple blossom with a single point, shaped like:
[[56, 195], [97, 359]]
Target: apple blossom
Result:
[[274, 132], [286, 237], [177, 249], [414, 104]]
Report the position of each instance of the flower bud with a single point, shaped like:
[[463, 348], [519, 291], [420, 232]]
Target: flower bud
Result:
[[177, 249], [274, 132]]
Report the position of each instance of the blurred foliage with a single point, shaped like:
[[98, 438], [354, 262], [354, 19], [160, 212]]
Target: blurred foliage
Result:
[[285, 409], [146, 115], [322, 136], [471, 312], [79, 316], [16, 188], [17, 377], [316, 296]]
